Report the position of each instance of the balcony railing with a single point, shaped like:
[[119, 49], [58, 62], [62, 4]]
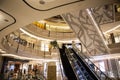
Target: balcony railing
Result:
[[15, 47]]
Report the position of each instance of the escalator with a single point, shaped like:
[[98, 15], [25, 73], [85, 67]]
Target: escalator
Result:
[[83, 70], [74, 67], [66, 65], [88, 63]]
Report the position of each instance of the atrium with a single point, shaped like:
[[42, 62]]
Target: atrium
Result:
[[59, 40]]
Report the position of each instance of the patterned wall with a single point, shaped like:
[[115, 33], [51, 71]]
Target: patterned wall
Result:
[[87, 33]]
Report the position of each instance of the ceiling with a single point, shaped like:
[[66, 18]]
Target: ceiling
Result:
[[20, 13]]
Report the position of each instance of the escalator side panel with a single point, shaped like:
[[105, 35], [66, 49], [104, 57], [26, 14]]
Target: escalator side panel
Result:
[[86, 67], [66, 65]]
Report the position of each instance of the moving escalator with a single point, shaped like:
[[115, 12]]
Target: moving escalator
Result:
[[74, 67], [66, 66], [85, 72], [85, 59]]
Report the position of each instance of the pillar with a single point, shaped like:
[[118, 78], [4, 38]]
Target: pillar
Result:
[[51, 73]]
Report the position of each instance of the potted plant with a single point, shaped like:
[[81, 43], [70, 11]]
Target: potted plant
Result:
[[54, 44]]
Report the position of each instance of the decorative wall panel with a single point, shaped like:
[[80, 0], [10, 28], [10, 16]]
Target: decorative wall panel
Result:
[[86, 31], [103, 14]]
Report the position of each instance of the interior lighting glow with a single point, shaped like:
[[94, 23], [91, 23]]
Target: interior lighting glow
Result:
[[103, 57], [48, 0], [111, 29], [33, 36], [102, 66], [40, 38], [60, 27], [2, 51], [42, 21], [27, 58], [1, 17]]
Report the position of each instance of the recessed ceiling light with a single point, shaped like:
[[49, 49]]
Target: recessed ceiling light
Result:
[[45, 1], [6, 20], [1, 16], [42, 2], [48, 0]]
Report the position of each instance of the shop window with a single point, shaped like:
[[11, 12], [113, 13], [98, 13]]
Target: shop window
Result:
[[12, 67]]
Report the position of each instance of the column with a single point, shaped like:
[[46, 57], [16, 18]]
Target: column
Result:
[[51, 73]]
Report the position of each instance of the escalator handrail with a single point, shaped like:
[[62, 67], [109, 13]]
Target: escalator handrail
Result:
[[93, 74], [70, 63], [61, 67], [71, 69], [80, 53], [79, 66]]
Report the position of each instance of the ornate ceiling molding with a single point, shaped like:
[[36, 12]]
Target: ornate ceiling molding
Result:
[[52, 7], [6, 20]]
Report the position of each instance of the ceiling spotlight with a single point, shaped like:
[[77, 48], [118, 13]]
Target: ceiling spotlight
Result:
[[49, 0], [42, 2], [6, 20], [45, 1], [1, 17]]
